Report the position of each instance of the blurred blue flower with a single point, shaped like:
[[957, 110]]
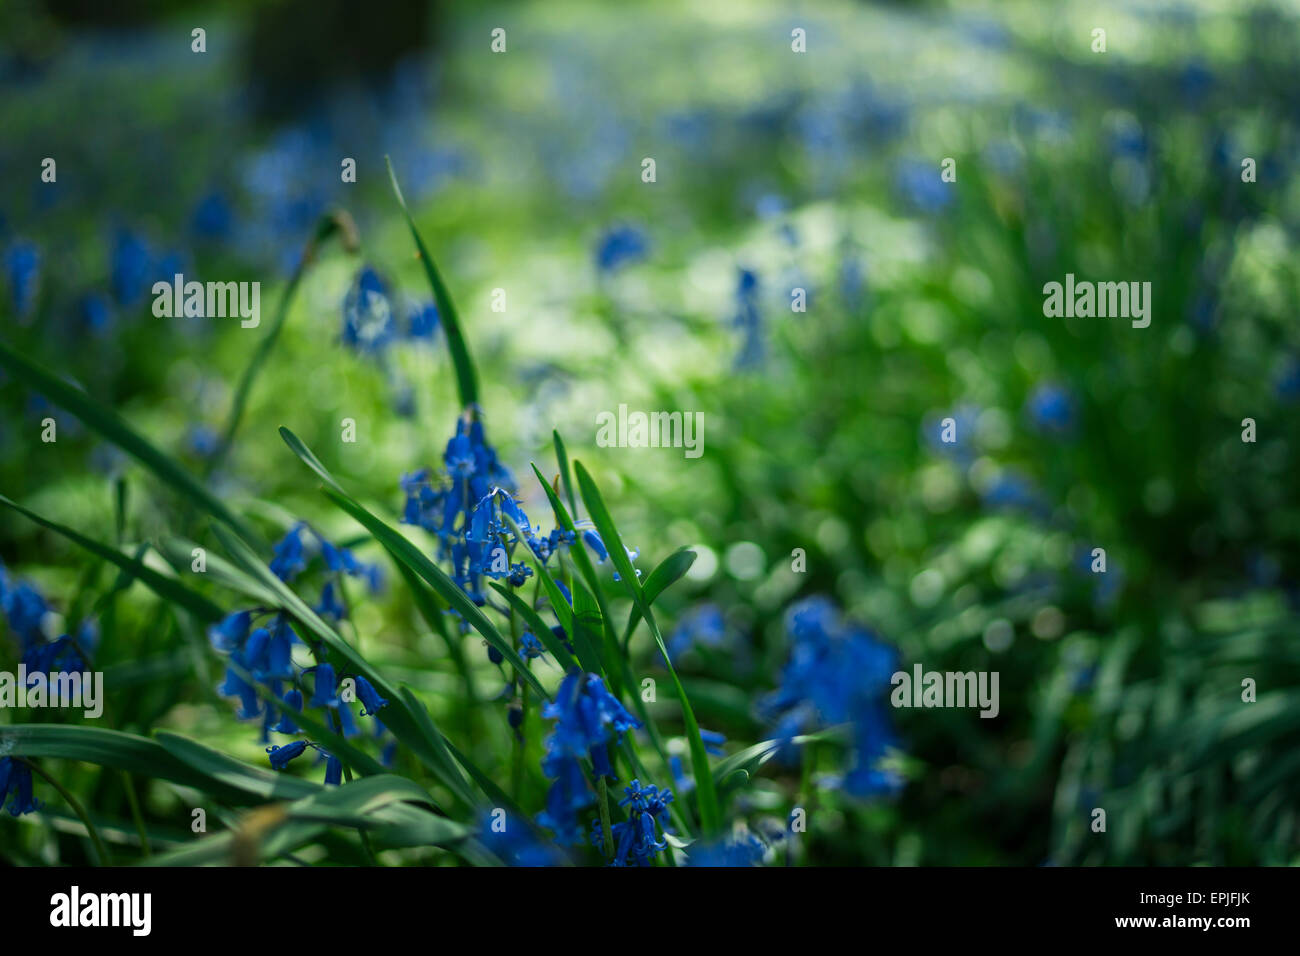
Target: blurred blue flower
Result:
[[16, 787], [1052, 409], [837, 673], [22, 266], [368, 324], [619, 246]]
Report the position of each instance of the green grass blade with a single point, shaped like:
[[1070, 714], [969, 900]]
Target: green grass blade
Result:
[[332, 222], [668, 572], [706, 792], [562, 457], [163, 586], [539, 627], [100, 418], [121, 751], [448, 318]]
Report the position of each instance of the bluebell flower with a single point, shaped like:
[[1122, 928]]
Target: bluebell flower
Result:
[[620, 246], [201, 440], [530, 647], [920, 183], [16, 787], [24, 610], [422, 321], [704, 625], [1051, 409], [636, 840], [325, 693], [213, 216], [371, 702], [594, 541], [22, 266], [735, 851], [588, 718], [515, 843], [748, 319], [230, 632], [713, 741], [130, 267], [1286, 384], [368, 324], [282, 755], [330, 607], [95, 312], [289, 557], [1014, 491], [292, 704], [837, 673], [333, 771]]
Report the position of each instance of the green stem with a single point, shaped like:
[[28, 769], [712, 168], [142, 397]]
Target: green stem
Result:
[[606, 830], [101, 853], [136, 815]]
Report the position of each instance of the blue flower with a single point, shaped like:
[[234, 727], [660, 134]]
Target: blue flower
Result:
[[371, 702], [130, 267], [748, 320], [24, 609], [703, 625], [213, 217], [281, 755], [422, 321], [16, 787], [289, 559], [530, 647], [515, 843], [368, 325], [620, 246], [837, 673], [1051, 408], [292, 703], [325, 693], [588, 718], [22, 265], [921, 185], [230, 632], [737, 851], [636, 841], [95, 312], [333, 771], [330, 607]]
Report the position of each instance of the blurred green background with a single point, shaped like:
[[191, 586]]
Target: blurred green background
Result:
[[775, 170]]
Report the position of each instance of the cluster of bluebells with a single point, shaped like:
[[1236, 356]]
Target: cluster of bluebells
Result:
[[259, 647], [26, 612], [16, 787], [636, 839], [372, 325], [588, 718], [466, 509], [837, 673]]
